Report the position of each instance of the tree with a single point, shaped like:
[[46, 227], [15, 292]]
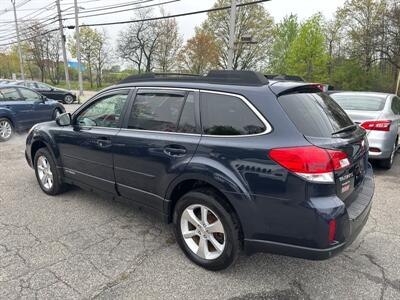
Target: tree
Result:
[[285, 33], [52, 56], [140, 41], [170, 42], [253, 23], [90, 43], [102, 55], [35, 47], [308, 56], [200, 53]]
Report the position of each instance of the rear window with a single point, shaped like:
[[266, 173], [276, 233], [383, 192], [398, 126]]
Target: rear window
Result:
[[314, 114], [360, 102]]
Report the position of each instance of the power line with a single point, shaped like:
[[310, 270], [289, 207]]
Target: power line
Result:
[[151, 19]]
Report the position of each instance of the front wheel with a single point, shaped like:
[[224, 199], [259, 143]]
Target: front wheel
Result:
[[68, 99], [47, 174], [6, 130], [207, 230]]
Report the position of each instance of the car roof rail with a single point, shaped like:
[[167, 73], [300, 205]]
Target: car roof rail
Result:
[[214, 76]]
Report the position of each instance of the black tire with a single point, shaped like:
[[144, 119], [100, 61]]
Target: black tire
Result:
[[58, 185], [388, 162], [217, 205], [5, 124], [68, 99], [56, 113]]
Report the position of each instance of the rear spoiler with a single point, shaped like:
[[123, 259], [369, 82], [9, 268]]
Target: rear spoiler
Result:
[[284, 88]]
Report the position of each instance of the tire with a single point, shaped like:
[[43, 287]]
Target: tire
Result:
[[68, 99], [54, 186], [225, 237], [6, 129], [56, 113], [388, 162]]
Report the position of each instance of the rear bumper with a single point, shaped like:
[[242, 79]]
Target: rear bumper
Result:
[[383, 141], [350, 225]]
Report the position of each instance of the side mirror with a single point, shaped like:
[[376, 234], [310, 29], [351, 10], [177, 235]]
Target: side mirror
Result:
[[64, 119]]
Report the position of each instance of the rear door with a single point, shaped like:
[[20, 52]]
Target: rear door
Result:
[[325, 124], [161, 135]]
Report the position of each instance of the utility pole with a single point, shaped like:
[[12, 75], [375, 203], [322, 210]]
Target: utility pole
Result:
[[231, 46], [21, 61], [64, 51], [78, 48]]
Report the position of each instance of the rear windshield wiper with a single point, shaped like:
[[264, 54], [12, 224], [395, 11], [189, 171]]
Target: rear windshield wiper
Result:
[[344, 129]]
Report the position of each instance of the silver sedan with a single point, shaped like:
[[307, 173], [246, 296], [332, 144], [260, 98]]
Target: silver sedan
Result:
[[379, 114]]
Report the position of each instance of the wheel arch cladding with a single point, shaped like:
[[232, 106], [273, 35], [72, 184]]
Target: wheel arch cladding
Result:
[[41, 143]]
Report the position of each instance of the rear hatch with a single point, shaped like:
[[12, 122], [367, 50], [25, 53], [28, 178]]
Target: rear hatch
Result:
[[326, 125]]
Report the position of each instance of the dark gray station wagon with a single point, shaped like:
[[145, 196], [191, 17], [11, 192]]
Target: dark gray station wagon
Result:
[[233, 160]]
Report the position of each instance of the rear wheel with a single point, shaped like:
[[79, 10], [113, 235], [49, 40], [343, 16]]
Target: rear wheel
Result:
[[47, 174], [206, 230], [388, 163], [68, 99], [6, 130]]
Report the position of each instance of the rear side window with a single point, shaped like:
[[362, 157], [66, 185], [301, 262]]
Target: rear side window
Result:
[[360, 102], [228, 115], [10, 94], [156, 111], [314, 115]]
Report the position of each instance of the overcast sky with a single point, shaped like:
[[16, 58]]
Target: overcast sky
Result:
[[277, 8]]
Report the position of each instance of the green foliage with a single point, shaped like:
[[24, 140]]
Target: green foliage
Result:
[[307, 56], [284, 34]]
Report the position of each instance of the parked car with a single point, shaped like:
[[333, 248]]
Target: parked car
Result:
[[5, 81], [21, 108], [49, 91], [379, 114], [234, 161]]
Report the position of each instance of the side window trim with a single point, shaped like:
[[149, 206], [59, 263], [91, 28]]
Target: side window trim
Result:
[[268, 127], [128, 91], [158, 89]]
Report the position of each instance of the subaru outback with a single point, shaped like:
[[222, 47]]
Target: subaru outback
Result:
[[234, 161]]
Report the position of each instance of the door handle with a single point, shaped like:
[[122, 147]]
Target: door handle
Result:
[[175, 150], [104, 142]]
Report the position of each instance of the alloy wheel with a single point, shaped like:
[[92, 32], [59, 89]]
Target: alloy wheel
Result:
[[202, 231], [68, 99], [5, 129], [44, 172]]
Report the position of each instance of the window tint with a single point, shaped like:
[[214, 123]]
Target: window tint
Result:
[[187, 121], [30, 95], [228, 115], [10, 94], [105, 112], [396, 105], [360, 102], [43, 86], [315, 115], [157, 111]]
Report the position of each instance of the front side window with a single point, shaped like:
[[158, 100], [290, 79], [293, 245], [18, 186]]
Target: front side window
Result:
[[156, 110], [29, 95], [228, 115], [10, 94], [105, 112]]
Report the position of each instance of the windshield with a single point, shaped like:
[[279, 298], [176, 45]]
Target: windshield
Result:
[[360, 102]]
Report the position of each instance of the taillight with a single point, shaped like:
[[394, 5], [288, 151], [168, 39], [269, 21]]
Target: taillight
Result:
[[383, 125], [310, 162]]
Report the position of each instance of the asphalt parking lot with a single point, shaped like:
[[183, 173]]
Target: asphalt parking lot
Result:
[[78, 245]]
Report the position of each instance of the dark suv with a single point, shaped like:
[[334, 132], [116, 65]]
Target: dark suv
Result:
[[234, 161]]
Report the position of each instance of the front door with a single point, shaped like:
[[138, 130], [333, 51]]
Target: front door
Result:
[[42, 110], [18, 107], [158, 140], [86, 147]]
